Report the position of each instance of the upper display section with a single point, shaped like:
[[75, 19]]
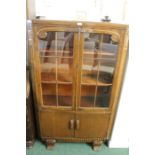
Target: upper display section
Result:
[[77, 62]]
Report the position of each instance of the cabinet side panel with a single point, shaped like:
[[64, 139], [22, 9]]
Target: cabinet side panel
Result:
[[118, 79]]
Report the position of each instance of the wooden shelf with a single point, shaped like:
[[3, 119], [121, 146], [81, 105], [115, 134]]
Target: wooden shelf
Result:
[[62, 53], [89, 90], [58, 82], [87, 101], [51, 55], [84, 51], [101, 101], [50, 100], [67, 89], [54, 52], [102, 53], [66, 79], [61, 57], [89, 77], [91, 81], [62, 89]]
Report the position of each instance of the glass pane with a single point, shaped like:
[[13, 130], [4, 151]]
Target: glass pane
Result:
[[49, 94], [56, 59], [65, 68], [89, 73], [48, 71], [102, 96], [87, 98], [99, 61], [65, 94]]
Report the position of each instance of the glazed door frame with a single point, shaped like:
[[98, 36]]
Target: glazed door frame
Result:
[[116, 35], [39, 32]]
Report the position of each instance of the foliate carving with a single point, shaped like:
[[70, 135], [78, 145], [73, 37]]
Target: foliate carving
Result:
[[42, 35], [115, 38]]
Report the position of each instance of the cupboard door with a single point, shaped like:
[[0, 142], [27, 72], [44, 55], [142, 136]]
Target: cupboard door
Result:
[[91, 125], [46, 124], [99, 56], [56, 52], [56, 124], [64, 124]]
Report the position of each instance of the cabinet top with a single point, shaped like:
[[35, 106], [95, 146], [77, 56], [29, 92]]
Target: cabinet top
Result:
[[78, 23]]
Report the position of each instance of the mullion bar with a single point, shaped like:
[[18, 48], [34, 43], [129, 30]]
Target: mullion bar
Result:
[[81, 61], [98, 66], [56, 68], [56, 57]]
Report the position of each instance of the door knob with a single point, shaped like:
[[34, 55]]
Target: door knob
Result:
[[71, 124], [77, 126]]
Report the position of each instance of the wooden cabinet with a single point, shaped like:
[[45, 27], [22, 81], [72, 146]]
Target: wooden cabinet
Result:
[[77, 76]]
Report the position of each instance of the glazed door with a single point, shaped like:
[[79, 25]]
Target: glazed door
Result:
[[56, 53], [98, 57], [96, 73]]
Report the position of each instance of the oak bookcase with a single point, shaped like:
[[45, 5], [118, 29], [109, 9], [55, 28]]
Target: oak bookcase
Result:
[[77, 75]]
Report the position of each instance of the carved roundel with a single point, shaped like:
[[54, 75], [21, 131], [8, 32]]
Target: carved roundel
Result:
[[115, 38], [42, 35]]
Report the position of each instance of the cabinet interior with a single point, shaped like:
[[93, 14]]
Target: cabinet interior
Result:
[[57, 63]]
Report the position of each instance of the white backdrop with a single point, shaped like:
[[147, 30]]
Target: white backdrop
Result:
[[90, 10]]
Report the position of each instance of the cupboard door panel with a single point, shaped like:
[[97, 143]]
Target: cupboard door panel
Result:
[[64, 124], [46, 124], [56, 124], [92, 125]]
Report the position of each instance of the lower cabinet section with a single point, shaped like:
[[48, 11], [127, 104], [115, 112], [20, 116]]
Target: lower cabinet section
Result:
[[74, 126]]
